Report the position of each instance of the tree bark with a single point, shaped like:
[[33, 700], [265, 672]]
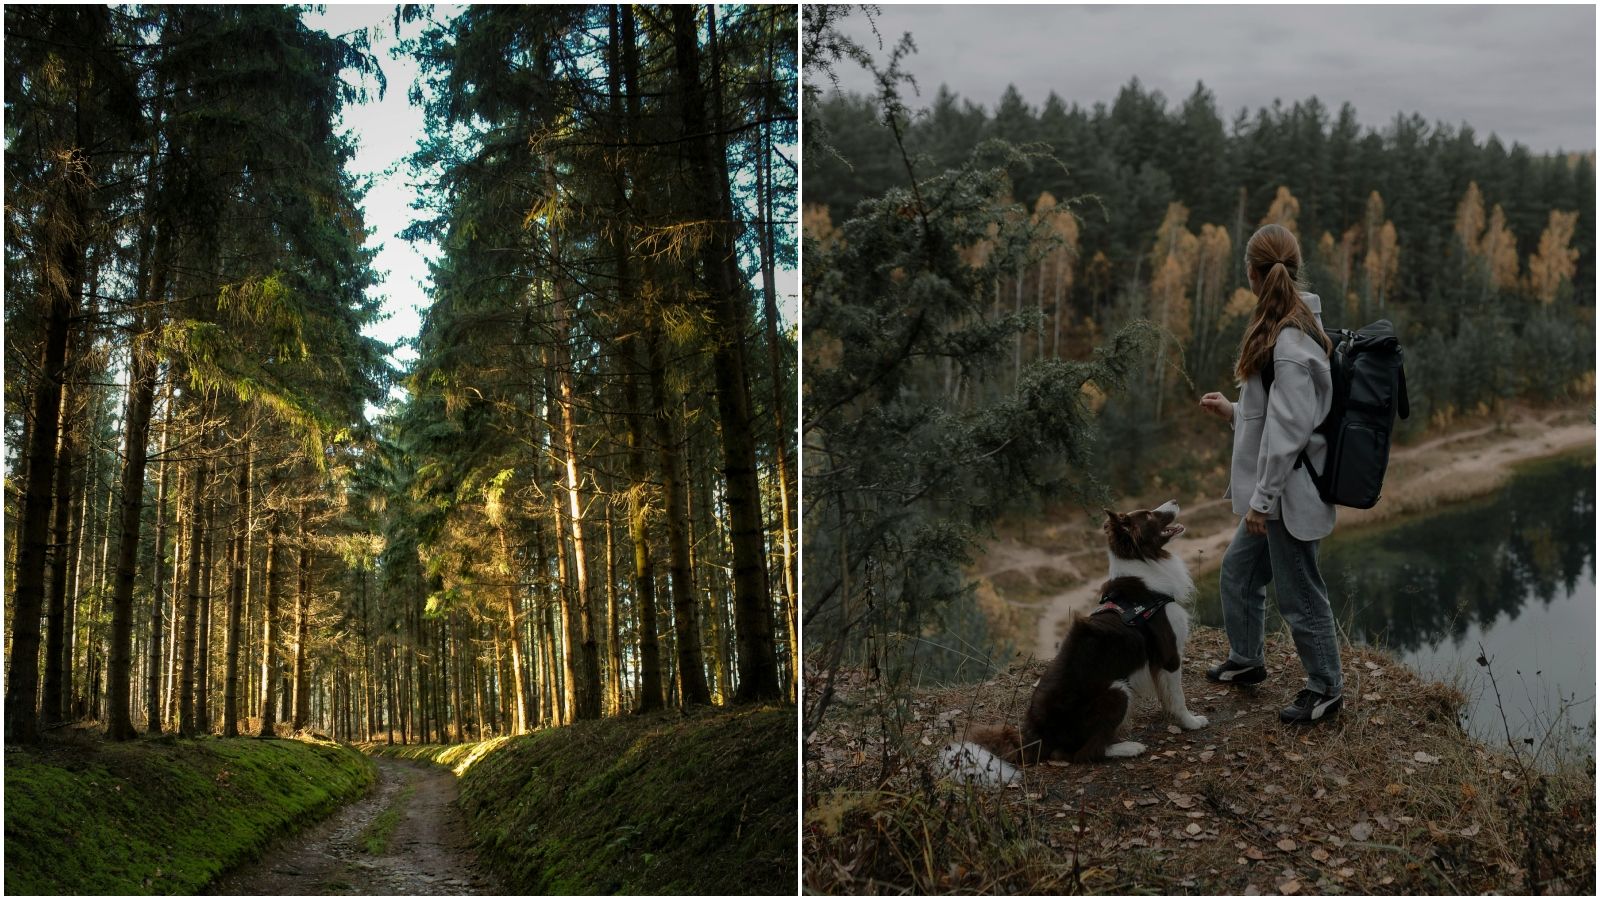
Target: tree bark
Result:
[[269, 637], [63, 293], [236, 580], [53, 709], [142, 372], [758, 666], [686, 624], [191, 610], [158, 581], [302, 627]]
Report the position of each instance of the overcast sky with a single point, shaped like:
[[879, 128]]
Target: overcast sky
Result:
[[1526, 73]]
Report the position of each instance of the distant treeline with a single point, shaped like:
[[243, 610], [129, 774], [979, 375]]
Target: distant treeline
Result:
[[1482, 255], [1142, 152]]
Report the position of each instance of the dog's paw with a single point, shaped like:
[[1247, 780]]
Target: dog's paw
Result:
[[1192, 722], [1125, 749]]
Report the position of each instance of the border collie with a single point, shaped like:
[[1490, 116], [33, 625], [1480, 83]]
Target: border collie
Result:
[[1133, 642]]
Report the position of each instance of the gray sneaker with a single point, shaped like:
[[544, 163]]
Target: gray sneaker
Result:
[[1231, 672], [1310, 707]]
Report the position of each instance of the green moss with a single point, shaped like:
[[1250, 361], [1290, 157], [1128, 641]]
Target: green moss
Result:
[[661, 804], [162, 815], [376, 836]]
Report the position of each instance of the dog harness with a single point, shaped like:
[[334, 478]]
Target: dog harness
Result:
[[1132, 613]]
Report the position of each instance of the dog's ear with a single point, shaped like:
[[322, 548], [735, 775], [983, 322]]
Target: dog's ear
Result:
[[1110, 516]]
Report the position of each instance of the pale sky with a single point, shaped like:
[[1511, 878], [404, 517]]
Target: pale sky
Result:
[[1524, 72], [387, 132]]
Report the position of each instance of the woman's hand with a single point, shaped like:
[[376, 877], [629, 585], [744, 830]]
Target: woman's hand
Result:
[[1256, 523], [1217, 405]]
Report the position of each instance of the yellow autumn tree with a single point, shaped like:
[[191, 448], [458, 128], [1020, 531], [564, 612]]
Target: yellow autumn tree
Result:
[[1469, 221], [1063, 226], [1173, 261], [1556, 261], [818, 225], [1214, 262], [1285, 209], [1499, 249], [1382, 264]]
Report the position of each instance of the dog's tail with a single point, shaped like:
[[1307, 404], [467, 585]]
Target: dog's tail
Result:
[[985, 757]]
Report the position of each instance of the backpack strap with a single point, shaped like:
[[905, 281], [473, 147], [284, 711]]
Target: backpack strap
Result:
[[1302, 459], [1404, 398]]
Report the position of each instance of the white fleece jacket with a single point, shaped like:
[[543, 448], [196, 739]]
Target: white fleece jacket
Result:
[[1269, 435]]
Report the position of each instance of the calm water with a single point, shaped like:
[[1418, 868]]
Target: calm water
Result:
[[1514, 571]]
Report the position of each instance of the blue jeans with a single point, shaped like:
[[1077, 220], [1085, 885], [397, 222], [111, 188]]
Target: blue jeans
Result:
[[1250, 563]]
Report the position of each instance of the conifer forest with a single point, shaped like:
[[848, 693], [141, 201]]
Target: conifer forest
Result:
[[1037, 291], [229, 511]]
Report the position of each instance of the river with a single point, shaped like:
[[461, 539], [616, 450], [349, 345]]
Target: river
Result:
[[1513, 571]]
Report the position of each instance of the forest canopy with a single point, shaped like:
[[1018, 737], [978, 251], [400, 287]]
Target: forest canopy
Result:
[[576, 502]]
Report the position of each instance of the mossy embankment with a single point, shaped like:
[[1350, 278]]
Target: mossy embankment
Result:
[[668, 803], [161, 815]]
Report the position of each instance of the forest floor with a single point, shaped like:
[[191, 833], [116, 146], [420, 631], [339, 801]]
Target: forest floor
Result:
[[405, 838], [1036, 574], [1391, 797]]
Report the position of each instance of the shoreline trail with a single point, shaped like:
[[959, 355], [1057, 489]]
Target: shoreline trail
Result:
[[425, 848]]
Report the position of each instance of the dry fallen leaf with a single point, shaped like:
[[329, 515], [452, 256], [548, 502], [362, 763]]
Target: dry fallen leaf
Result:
[[1193, 828], [1361, 831], [1292, 886], [1372, 696], [1253, 853], [1393, 790], [1287, 845], [1470, 830], [1424, 757], [1319, 854], [1345, 872]]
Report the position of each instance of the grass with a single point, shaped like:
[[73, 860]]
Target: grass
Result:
[[375, 839], [161, 815], [1390, 798], [661, 804]]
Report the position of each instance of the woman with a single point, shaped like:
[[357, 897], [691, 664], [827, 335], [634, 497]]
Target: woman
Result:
[[1284, 517]]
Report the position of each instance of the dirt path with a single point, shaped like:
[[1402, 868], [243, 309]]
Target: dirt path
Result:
[[406, 837], [1446, 469]]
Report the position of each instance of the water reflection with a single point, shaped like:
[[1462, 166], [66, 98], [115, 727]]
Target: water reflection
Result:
[[1514, 571]]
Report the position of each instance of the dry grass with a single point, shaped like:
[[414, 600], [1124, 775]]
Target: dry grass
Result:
[[1390, 798]]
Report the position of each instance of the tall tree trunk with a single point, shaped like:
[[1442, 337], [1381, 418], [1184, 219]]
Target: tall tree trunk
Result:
[[613, 635], [518, 668], [53, 709], [758, 665], [269, 635], [586, 690], [158, 581], [63, 292], [302, 628], [691, 666], [142, 372], [239, 564], [202, 687], [782, 399], [650, 690], [191, 610]]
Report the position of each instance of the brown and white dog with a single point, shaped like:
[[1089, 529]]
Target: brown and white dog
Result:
[[1133, 642]]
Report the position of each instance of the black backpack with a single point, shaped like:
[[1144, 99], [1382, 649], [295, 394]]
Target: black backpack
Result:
[[1369, 387]]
